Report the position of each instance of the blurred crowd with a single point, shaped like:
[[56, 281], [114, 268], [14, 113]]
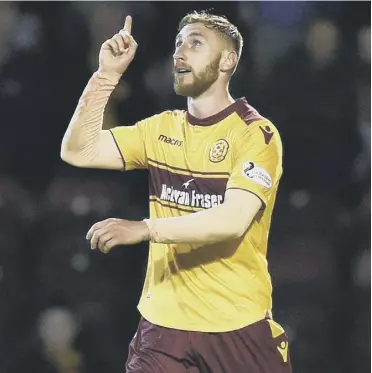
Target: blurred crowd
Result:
[[305, 65]]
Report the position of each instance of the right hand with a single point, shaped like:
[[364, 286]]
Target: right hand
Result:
[[118, 52]]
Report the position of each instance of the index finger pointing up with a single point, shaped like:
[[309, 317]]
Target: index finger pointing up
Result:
[[128, 24]]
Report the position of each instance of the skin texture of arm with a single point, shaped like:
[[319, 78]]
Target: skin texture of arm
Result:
[[229, 220], [85, 144]]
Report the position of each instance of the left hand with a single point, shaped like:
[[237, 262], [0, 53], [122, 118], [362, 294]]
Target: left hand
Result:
[[108, 233]]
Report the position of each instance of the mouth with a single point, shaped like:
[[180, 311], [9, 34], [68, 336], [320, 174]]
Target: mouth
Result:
[[182, 71]]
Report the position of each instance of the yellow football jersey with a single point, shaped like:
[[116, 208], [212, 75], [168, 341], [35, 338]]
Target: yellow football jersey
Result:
[[192, 162]]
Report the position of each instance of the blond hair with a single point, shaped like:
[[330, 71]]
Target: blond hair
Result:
[[219, 23]]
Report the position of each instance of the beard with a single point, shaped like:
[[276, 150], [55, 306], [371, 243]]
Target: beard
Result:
[[199, 82]]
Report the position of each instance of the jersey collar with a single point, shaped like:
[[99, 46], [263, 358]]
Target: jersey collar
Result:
[[239, 106]]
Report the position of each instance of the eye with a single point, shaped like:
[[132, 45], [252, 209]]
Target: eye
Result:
[[196, 43], [178, 43]]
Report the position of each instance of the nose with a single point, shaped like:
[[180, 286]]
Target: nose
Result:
[[179, 55]]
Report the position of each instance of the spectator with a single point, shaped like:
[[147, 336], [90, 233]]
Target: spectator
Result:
[[311, 96]]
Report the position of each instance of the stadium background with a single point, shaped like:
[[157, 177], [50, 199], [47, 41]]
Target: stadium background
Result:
[[305, 65]]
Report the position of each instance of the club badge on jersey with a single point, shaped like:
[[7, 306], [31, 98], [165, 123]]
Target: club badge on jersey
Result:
[[219, 151]]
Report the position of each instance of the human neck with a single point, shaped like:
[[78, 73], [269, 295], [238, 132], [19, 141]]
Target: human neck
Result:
[[209, 103]]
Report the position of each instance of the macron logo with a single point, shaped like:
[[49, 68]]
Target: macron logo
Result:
[[170, 141]]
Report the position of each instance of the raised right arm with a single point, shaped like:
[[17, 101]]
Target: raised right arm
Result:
[[85, 143]]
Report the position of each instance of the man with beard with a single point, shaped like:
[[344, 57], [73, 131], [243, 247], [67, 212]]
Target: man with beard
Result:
[[214, 173]]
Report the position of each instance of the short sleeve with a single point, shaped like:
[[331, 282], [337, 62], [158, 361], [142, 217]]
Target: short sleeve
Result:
[[131, 142], [257, 166]]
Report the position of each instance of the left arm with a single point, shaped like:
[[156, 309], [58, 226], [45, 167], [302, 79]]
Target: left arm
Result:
[[229, 220]]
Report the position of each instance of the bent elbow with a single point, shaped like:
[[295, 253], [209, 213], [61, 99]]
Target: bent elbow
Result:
[[66, 156], [238, 231], [71, 159]]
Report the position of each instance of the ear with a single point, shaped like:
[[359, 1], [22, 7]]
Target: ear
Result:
[[228, 61]]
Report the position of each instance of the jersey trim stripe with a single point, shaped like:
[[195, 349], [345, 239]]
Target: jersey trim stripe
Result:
[[121, 155], [183, 190], [188, 172], [241, 107]]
